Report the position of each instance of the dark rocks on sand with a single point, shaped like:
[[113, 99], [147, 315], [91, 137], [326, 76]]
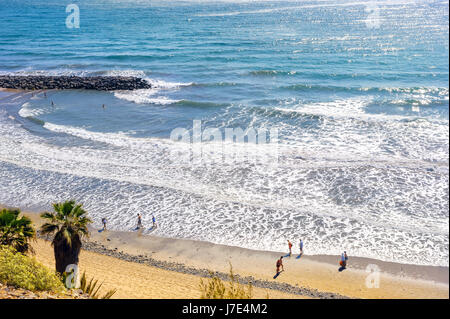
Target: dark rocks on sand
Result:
[[100, 83]]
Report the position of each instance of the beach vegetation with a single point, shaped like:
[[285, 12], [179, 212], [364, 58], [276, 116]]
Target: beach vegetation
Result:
[[92, 288], [216, 288], [69, 224], [16, 231], [21, 271]]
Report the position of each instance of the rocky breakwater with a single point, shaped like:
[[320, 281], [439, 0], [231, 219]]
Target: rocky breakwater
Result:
[[100, 83]]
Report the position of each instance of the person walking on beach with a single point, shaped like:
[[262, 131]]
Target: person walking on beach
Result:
[[139, 223], [301, 246], [343, 261], [290, 248], [279, 265], [104, 223]]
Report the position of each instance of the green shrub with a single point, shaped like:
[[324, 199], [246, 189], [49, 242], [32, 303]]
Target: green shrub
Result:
[[25, 272], [216, 288]]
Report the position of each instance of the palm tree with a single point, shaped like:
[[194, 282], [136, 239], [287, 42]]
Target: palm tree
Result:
[[69, 223], [14, 231]]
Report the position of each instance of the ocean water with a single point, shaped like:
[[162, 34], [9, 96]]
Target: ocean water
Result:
[[357, 90]]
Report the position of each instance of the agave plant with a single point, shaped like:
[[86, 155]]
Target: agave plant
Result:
[[16, 232], [69, 224], [92, 289]]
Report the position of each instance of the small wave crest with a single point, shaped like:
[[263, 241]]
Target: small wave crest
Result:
[[161, 84], [146, 96], [155, 95], [271, 72], [439, 91], [27, 112], [201, 104], [119, 139]]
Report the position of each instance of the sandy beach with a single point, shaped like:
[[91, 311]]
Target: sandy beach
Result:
[[243, 129], [318, 274], [137, 281]]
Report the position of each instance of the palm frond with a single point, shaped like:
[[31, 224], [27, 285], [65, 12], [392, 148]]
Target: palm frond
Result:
[[16, 232], [48, 228], [68, 220]]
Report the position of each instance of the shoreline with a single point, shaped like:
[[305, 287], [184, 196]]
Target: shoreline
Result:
[[310, 276], [159, 245], [162, 246]]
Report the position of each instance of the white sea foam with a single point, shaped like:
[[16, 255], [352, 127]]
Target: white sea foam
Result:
[[145, 96], [155, 95], [26, 111], [161, 84], [135, 73], [342, 108], [347, 131], [352, 108], [338, 188]]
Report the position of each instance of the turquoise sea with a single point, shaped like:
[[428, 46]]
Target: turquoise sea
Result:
[[358, 91]]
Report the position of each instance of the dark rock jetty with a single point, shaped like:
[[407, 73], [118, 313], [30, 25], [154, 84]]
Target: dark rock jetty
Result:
[[99, 83]]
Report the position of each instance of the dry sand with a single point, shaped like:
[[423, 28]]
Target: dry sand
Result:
[[133, 280]]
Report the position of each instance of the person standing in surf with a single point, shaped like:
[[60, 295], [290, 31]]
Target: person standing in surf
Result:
[[154, 221], [290, 247], [104, 223], [139, 223], [301, 247]]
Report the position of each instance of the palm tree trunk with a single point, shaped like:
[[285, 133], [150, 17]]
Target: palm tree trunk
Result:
[[65, 254]]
